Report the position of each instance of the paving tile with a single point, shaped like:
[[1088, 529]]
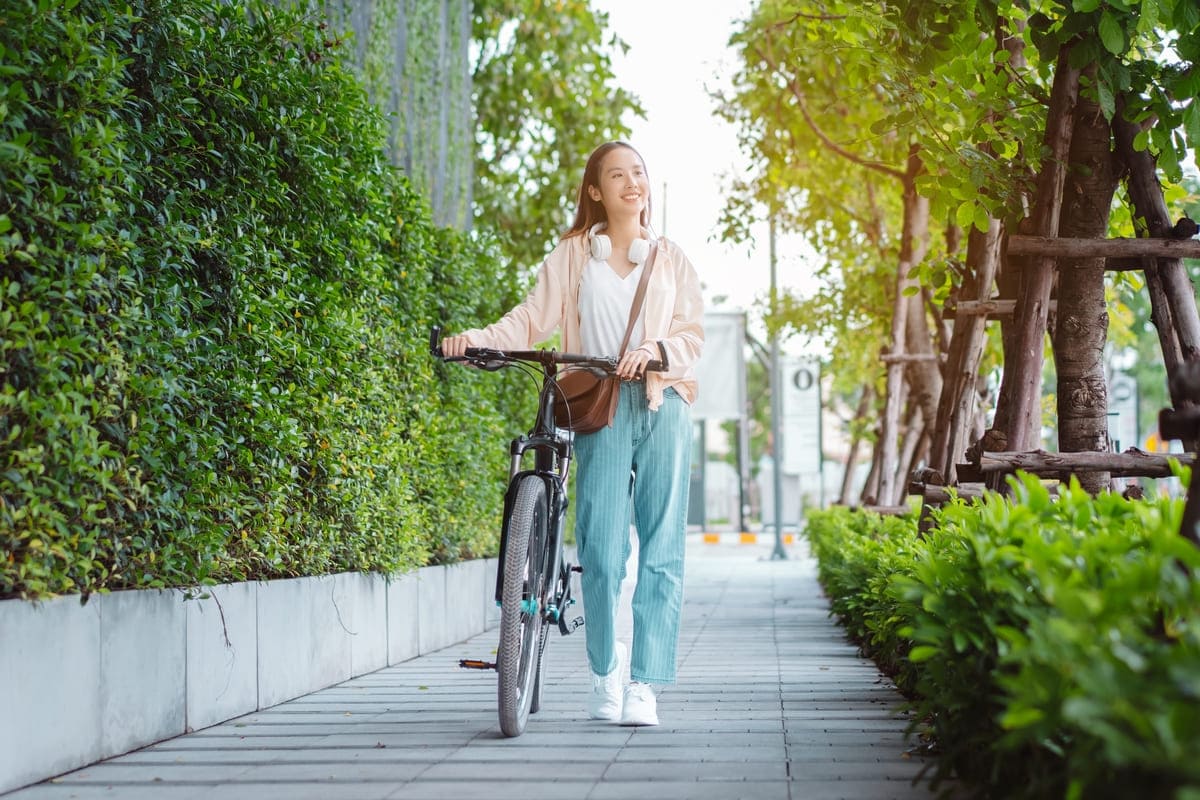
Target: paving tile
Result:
[[118, 771], [495, 790], [691, 790], [701, 754], [306, 790], [52, 791], [697, 770]]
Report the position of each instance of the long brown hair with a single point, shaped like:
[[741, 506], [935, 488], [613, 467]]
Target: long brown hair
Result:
[[588, 212]]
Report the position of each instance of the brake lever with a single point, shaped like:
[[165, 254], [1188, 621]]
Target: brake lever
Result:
[[489, 365]]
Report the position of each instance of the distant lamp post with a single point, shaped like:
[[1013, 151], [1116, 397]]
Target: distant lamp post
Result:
[[776, 413]]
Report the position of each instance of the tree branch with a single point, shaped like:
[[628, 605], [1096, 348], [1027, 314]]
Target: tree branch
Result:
[[837, 149], [811, 17]]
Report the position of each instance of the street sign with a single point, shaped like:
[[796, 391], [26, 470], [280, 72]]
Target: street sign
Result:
[[801, 429]]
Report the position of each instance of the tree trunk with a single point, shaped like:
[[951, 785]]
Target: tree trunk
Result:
[[1022, 390], [913, 243], [924, 377], [864, 405], [916, 443], [870, 491], [1008, 272], [1082, 328]]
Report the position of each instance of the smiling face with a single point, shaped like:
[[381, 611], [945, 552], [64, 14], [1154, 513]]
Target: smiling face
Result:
[[622, 185]]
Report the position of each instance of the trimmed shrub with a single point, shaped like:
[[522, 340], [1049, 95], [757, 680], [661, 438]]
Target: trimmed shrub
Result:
[[1052, 644]]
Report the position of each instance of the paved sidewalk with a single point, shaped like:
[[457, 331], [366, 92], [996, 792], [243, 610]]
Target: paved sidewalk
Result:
[[772, 702]]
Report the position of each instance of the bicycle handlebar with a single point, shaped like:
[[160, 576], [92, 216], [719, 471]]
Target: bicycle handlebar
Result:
[[491, 359]]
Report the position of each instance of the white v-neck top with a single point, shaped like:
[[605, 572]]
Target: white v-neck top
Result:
[[604, 302]]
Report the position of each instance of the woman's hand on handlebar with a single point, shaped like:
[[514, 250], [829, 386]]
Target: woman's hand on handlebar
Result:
[[633, 364], [454, 346]]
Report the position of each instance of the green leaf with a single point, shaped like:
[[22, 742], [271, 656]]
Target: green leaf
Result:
[[1186, 16], [1111, 33], [1104, 96], [981, 219], [1021, 718], [922, 653], [1191, 123], [964, 215], [1085, 6]]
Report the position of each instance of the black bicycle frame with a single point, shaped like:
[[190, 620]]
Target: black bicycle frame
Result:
[[552, 450]]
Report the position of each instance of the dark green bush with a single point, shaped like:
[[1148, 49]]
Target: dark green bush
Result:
[[216, 302], [1053, 648]]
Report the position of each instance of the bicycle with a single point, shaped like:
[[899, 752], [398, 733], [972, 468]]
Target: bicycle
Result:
[[533, 583]]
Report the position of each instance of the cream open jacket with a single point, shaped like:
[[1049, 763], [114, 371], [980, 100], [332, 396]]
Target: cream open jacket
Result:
[[673, 311]]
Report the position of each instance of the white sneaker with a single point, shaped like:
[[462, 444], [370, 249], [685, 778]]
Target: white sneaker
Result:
[[640, 707], [605, 699]]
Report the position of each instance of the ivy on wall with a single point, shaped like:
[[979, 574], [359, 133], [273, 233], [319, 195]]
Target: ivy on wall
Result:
[[413, 56]]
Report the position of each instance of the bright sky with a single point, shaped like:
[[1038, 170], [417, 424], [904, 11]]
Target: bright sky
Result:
[[678, 53]]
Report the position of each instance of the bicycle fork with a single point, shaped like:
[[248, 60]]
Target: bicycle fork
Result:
[[559, 599]]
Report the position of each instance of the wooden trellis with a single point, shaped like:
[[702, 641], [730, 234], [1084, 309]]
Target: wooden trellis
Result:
[[1009, 445]]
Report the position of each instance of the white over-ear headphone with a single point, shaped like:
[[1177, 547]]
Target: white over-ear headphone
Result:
[[639, 249]]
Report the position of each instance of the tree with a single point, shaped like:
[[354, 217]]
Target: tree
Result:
[[828, 94]]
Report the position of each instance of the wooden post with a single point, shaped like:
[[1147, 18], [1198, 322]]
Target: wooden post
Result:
[[1076, 248], [916, 449], [1024, 417], [1172, 297], [1131, 463], [957, 403], [1184, 423], [870, 489]]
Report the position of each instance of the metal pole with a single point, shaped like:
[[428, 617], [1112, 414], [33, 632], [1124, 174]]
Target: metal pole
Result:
[[664, 209], [743, 431], [776, 411], [820, 440]]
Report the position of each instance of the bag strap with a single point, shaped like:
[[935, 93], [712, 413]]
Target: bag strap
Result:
[[638, 298]]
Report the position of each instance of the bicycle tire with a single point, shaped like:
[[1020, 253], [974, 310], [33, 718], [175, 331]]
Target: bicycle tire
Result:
[[522, 604]]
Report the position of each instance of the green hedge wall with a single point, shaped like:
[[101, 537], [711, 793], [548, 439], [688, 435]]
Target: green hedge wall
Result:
[[1050, 645], [216, 295]]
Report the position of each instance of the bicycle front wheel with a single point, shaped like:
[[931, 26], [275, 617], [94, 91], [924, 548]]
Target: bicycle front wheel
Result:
[[521, 603]]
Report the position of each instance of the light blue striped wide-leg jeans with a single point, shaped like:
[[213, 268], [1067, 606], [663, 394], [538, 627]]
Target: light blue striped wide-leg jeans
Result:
[[656, 447]]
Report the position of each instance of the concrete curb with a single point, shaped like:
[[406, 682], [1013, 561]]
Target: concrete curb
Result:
[[85, 682]]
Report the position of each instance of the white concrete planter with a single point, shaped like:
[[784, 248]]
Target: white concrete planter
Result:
[[80, 683]]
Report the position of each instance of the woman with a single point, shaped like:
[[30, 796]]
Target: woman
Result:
[[585, 287]]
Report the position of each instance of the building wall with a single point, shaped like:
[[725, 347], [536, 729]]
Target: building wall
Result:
[[414, 56]]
